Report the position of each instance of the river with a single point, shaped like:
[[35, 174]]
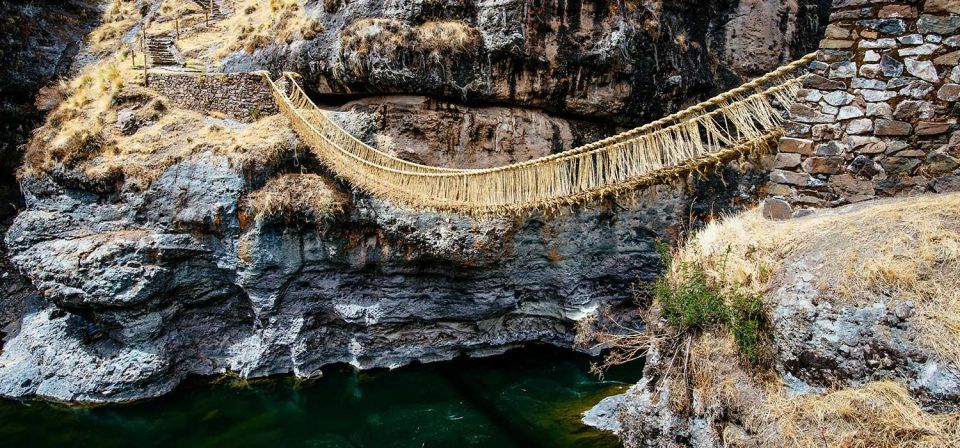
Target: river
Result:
[[531, 397]]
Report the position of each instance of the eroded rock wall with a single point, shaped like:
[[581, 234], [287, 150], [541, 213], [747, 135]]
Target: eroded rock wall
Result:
[[629, 60], [38, 40], [144, 285]]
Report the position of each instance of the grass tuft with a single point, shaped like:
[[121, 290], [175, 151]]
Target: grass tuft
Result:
[[691, 301], [309, 197]]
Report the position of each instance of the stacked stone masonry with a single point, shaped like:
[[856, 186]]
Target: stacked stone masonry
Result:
[[878, 115], [240, 96]]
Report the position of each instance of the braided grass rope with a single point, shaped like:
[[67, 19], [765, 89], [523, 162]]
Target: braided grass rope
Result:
[[711, 133]]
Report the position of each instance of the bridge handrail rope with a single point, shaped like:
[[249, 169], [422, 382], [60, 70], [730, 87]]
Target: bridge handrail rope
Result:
[[644, 156], [303, 102]]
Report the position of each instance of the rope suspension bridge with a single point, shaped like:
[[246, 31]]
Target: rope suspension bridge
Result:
[[744, 120]]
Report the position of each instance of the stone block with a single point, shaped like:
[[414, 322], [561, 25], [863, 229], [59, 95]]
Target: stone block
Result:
[[796, 145], [861, 126], [805, 114], [892, 127], [831, 149], [838, 98], [774, 189], [830, 131], [843, 70], [947, 6], [916, 89], [789, 178], [910, 109], [911, 39], [865, 83], [949, 92], [835, 31], [848, 112], [849, 185], [864, 167], [951, 59], [899, 165], [786, 160], [879, 110], [823, 165], [870, 70], [939, 162], [885, 26], [776, 209], [835, 43], [924, 70], [890, 67], [921, 50], [932, 128], [820, 83], [794, 129], [902, 11], [874, 44], [867, 145], [875, 96], [938, 24]]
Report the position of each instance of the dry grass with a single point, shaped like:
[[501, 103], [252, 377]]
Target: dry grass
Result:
[[251, 25], [179, 134], [368, 41], [72, 131], [256, 24], [907, 249], [118, 18], [879, 414], [447, 36], [903, 249], [81, 133], [289, 196]]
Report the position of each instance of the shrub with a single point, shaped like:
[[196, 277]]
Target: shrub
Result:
[[690, 301]]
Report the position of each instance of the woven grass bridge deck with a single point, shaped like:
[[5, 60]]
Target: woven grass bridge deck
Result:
[[746, 119]]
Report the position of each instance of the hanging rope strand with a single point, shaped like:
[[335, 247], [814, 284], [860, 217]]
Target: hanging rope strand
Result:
[[725, 127]]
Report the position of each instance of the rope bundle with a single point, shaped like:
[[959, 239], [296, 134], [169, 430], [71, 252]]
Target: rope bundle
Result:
[[718, 130]]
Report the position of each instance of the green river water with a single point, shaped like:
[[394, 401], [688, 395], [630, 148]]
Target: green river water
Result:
[[531, 397]]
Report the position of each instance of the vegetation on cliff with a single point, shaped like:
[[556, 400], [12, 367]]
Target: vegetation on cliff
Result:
[[885, 254], [109, 126]]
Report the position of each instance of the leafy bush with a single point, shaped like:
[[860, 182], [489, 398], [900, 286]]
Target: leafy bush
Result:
[[690, 301]]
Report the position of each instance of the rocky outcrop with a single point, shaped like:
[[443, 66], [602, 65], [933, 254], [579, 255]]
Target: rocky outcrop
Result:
[[144, 284], [147, 287], [630, 60], [819, 348], [440, 133], [38, 42], [829, 331]]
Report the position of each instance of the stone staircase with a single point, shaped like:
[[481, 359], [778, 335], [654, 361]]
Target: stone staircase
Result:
[[216, 8], [163, 51]]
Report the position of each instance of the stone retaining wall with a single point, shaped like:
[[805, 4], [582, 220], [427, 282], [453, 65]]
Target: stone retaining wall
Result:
[[879, 115], [240, 96]]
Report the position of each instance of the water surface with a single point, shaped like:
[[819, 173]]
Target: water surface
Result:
[[526, 398]]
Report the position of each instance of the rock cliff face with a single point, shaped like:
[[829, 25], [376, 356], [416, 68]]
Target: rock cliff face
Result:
[[144, 286], [38, 41], [626, 59]]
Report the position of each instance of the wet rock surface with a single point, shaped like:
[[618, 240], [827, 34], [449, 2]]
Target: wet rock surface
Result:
[[142, 288]]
